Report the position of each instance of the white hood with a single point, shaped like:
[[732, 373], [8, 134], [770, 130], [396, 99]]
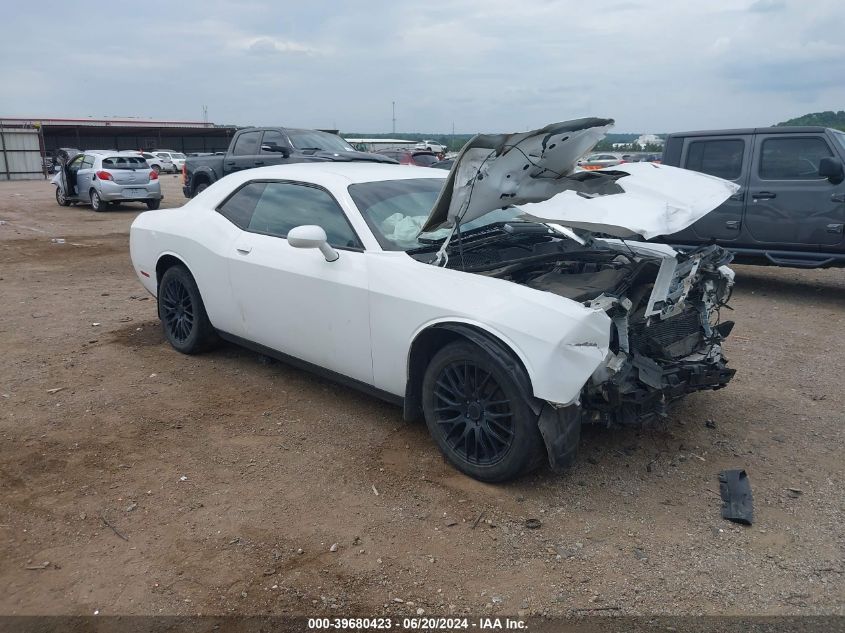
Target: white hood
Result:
[[536, 171]]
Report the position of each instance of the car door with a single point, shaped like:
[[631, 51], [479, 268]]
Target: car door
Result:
[[789, 204], [85, 177], [71, 171], [292, 300], [244, 153], [727, 157]]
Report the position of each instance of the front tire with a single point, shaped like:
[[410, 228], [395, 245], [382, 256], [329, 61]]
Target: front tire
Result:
[[61, 199], [182, 312], [478, 415], [97, 202]]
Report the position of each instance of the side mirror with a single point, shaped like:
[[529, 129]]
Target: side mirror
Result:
[[311, 236], [831, 168], [278, 149]]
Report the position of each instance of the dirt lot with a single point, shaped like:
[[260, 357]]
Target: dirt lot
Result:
[[228, 478]]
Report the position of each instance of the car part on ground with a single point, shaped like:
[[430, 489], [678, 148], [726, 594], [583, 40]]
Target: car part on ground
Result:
[[737, 502], [503, 329]]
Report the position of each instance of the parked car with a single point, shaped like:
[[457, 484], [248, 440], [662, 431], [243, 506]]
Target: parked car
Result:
[[102, 178], [598, 161], [256, 147], [177, 158], [432, 146], [156, 163], [444, 164], [418, 157], [504, 336], [790, 209]]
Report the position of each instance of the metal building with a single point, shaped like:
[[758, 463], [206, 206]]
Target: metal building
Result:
[[27, 145]]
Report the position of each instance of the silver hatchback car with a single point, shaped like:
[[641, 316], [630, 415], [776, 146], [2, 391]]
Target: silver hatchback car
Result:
[[103, 177]]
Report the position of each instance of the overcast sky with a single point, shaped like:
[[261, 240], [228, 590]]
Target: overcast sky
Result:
[[487, 65]]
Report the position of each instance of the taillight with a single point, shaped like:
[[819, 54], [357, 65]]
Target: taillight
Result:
[[104, 175], [184, 173], [153, 174]]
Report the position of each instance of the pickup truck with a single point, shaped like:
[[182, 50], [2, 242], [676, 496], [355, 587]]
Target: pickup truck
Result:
[[260, 146], [790, 210]]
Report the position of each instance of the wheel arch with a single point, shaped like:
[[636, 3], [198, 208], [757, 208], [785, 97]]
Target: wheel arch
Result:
[[166, 261], [434, 337]]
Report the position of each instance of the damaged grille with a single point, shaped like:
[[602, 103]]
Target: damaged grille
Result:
[[672, 338]]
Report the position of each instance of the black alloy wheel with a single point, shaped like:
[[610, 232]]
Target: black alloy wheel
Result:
[[479, 415], [474, 413], [182, 312]]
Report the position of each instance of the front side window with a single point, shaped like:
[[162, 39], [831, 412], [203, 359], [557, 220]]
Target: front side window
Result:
[[792, 158], [247, 144], [273, 138], [722, 158], [283, 206]]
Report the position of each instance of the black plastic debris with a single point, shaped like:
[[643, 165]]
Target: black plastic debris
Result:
[[735, 490]]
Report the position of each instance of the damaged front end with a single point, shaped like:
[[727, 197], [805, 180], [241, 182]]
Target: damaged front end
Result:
[[666, 340]]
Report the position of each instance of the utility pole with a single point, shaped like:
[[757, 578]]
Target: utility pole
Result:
[[205, 114], [393, 103]]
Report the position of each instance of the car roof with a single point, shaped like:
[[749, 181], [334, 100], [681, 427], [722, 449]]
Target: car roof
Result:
[[339, 174], [781, 129]]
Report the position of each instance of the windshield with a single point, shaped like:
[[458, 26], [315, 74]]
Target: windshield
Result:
[[395, 210], [314, 139]]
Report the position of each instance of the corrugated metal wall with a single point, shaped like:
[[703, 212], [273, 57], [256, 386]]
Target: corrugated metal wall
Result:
[[20, 154]]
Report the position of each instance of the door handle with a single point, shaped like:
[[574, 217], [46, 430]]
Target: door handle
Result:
[[764, 195], [837, 197], [732, 224], [230, 162], [739, 196], [244, 250], [834, 228]]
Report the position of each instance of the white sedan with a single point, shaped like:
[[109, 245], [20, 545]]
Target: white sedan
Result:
[[464, 299]]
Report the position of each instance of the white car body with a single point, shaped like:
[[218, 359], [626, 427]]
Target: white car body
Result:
[[176, 158], [359, 315]]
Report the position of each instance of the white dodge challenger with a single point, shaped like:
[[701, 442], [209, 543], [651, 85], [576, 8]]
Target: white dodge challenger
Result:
[[505, 303]]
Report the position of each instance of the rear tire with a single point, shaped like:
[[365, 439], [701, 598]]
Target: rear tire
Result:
[[478, 415], [152, 205], [200, 188], [97, 202], [61, 199], [182, 313]]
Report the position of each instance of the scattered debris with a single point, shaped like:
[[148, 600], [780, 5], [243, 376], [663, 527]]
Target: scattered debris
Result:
[[56, 389], [300, 551], [451, 523], [113, 528], [794, 492], [710, 424], [269, 571], [398, 600], [95, 325], [639, 554], [131, 506], [333, 548], [420, 611], [533, 524], [735, 490], [58, 240], [43, 565], [474, 525], [183, 478], [375, 492]]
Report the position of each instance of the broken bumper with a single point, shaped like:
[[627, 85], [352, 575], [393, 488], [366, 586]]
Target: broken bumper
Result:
[[656, 387]]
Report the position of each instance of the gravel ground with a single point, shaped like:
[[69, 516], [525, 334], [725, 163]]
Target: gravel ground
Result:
[[140, 481]]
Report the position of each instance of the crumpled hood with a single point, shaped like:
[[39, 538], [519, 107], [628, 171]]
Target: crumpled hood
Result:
[[536, 171]]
